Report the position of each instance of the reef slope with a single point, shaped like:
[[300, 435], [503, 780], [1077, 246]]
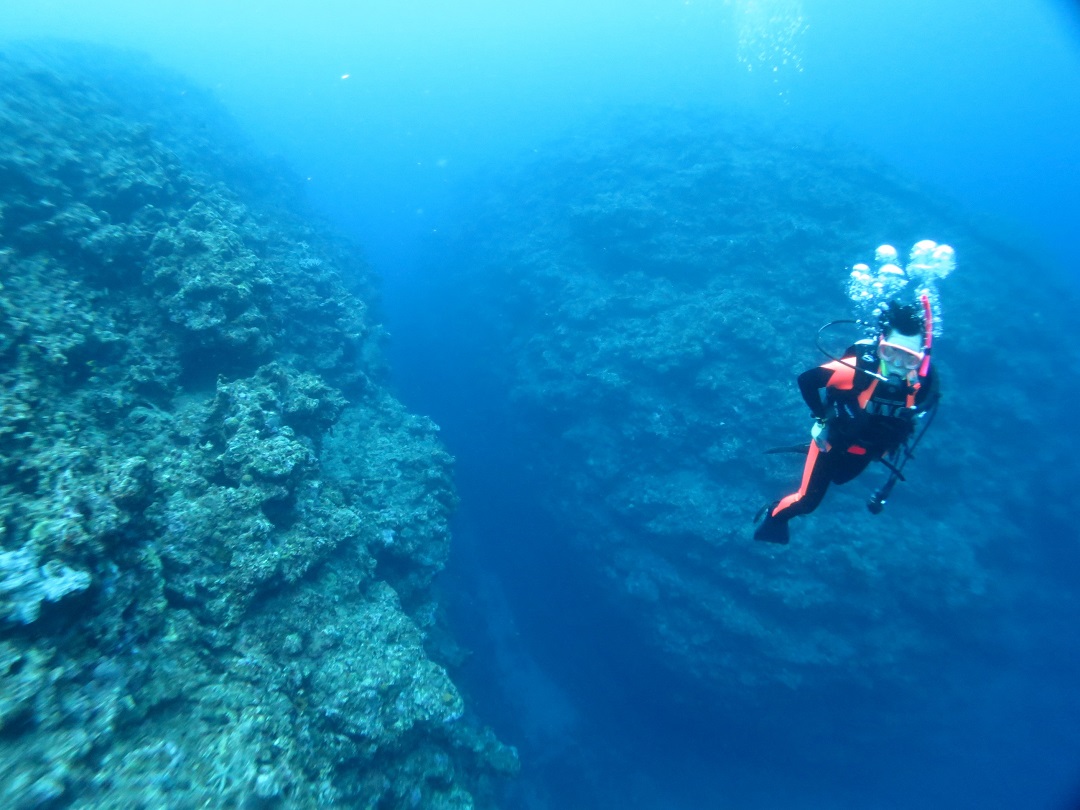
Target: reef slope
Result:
[[218, 529], [654, 289]]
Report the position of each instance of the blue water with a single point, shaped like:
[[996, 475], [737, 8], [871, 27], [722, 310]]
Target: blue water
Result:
[[389, 109]]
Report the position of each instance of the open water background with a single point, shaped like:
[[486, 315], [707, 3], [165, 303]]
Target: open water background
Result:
[[390, 109]]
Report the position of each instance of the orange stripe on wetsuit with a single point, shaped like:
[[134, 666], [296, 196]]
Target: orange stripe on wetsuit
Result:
[[842, 379], [808, 470]]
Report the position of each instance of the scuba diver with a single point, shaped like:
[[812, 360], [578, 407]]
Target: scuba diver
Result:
[[876, 400]]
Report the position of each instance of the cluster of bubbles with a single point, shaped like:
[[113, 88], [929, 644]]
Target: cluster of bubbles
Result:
[[872, 290], [769, 37]]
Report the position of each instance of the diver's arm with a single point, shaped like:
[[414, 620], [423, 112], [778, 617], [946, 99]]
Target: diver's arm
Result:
[[810, 384]]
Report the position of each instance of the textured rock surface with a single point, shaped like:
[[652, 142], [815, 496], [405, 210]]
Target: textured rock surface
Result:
[[657, 293], [207, 598]]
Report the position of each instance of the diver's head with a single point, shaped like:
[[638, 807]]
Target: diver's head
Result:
[[900, 354], [901, 348], [905, 319]]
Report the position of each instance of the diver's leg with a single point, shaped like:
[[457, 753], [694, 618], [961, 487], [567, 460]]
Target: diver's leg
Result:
[[817, 473], [847, 466]]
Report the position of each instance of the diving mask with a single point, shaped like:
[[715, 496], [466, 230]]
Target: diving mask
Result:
[[900, 356]]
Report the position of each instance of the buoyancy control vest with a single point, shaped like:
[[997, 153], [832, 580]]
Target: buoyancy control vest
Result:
[[868, 414]]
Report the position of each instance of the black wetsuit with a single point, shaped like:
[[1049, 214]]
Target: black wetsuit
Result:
[[866, 420]]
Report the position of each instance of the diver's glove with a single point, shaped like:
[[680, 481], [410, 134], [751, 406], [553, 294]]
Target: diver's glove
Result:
[[818, 434]]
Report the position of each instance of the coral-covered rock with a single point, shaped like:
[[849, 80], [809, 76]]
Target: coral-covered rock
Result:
[[657, 289], [195, 604]]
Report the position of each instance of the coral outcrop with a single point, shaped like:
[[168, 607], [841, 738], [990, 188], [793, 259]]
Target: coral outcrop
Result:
[[208, 597], [656, 288]]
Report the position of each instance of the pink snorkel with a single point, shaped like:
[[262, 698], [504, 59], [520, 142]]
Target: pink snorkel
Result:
[[928, 338]]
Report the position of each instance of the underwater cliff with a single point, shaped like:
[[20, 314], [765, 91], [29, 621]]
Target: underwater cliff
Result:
[[218, 528], [646, 296]]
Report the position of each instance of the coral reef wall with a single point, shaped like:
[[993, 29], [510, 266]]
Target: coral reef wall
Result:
[[218, 530], [657, 288]]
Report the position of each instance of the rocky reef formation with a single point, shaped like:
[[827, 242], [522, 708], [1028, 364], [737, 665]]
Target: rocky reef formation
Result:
[[657, 288], [218, 529]]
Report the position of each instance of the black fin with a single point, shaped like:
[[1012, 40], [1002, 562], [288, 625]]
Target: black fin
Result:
[[772, 529], [791, 448]]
